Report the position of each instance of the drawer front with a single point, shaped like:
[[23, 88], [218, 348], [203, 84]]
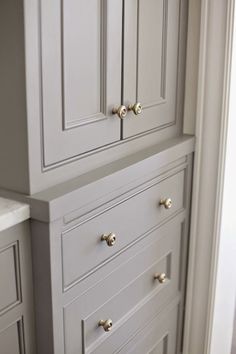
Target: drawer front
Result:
[[82, 248], [124, 291], [157, 337], [10, 294]]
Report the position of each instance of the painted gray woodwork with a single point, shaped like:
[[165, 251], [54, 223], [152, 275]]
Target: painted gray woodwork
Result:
[[81, 76], [124, 291], [11, 339], [150, 63], [79, 195], [13, 122], [77, 60], [82, 249], [99, 284], [17, 332], [80, 87], [58, 122], [10, 294], [157, 337], [105, 183], [135, 321]]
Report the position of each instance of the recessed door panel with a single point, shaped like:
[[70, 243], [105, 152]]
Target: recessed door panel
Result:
[[151, 36], [81, 76], [83, 59], [9, 277], [11, 339]]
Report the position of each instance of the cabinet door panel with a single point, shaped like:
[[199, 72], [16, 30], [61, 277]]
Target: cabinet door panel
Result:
[[11, 339], [81, 75], [150, 63]]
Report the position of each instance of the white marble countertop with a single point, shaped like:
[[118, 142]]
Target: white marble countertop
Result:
[[12, 213]]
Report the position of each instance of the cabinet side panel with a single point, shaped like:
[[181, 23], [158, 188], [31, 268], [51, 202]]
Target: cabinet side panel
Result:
[[42, 286], [13, 124], [17, 329]]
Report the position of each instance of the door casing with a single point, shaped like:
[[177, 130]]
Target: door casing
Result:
[[210, 30]]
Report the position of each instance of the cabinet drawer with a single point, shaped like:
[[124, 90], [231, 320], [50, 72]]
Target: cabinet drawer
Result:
[[82, 248], [157, 337], [124, 291]]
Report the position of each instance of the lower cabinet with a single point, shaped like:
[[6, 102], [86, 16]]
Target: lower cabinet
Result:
[[110, 273], [128, 296], [16, 295]]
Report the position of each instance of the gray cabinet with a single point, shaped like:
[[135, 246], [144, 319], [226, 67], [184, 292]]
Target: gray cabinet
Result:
[[16, 294], [114, 252], [81, 75], [100, 156], [77, 62], [129, 295], [82, 71], [151, 39]]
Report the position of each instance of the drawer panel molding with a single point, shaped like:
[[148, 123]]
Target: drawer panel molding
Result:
[[82, 248], [157, 337], [126, 290]]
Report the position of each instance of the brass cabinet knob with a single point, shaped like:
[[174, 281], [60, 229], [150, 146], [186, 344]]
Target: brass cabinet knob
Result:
[[106, 324], [120, 111], [110, 239], [160, 277], [136, 108], [167, 203]]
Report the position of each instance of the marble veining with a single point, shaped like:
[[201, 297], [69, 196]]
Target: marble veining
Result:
[[12, 213]]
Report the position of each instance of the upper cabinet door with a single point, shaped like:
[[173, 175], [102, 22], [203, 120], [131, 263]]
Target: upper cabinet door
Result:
[[81, 54], [151, 36]]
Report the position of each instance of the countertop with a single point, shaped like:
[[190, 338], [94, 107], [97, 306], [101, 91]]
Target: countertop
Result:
[[12, 213]]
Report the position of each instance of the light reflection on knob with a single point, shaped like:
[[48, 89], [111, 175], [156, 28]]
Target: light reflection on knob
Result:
[[121, 111], [106, 324], [136, 108], [167, 203], [160, 277], [109, 238]]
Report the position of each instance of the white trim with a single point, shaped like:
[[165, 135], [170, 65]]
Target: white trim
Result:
[[223, 287], [217, 240], [196, 182], [211, 137]]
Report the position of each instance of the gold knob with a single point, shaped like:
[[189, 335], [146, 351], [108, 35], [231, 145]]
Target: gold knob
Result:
[[160, 277], [110, 239], [167, 203], [136, 108], [120, 111], [106, 324]]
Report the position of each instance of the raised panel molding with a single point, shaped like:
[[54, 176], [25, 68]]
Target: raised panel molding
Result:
[[12, 338], [158, 79], [161, 346], [153, 59], [80, 74], [88, 14], [10, 295]]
